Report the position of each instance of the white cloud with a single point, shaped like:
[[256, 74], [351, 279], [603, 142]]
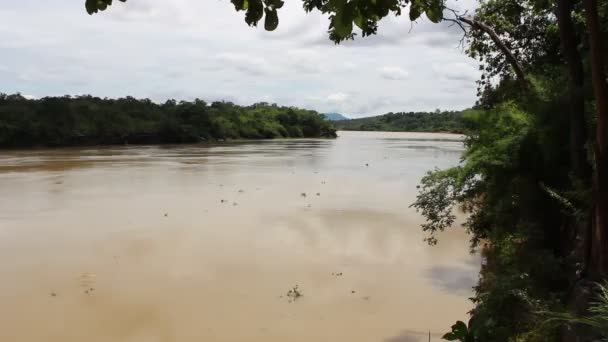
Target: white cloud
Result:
[[394, 73], [456, 71], [337, 97], [190, 48], [244, 63]]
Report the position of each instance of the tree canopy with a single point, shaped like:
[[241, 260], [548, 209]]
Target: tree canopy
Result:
[[438, 121], [88, 120]]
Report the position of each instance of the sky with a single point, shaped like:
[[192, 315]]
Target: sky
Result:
[[186, 49]]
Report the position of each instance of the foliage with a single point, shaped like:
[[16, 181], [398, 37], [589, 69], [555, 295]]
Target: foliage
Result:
[[516, 180], [344, 15], [460, 332], [94, 6], [535, 44], [60, 121], [492, 153], [597, 314], [447, 121], [501, 185]]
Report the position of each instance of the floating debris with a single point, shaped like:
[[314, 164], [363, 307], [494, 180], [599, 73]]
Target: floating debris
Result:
[[166, 215], [318, 194], [303, 194], [367, 165], [53, 294], [223, 201], [234, 204], [241, 191], [353, 291], [294, 294], [87, 280], [337, 274]]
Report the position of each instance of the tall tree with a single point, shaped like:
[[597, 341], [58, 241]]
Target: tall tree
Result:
[[599, 247], [578, 231], [569, 44]]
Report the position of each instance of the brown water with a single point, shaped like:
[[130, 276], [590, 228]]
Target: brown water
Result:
[[88, 254]]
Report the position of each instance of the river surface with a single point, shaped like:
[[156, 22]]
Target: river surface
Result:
[[203, 243]]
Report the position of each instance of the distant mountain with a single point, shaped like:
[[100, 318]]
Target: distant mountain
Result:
[[335, 117], [449, 121]]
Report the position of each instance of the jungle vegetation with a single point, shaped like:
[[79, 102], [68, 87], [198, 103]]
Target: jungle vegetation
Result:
[[88, 120], [438, 121]]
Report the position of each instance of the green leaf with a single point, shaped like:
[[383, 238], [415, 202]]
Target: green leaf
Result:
[[415, 10], [342, 27], [255, 12], [360, 21], [272, 19], [91, 6], [278, 3], [460, 329], [435, 11], [449, 337], [337, 5], [239, 5], [94, 6]]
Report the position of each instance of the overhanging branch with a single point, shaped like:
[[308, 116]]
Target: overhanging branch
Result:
[[460, 18], [511, 59]]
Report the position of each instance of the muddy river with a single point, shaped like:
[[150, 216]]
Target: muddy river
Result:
[[204, 243]]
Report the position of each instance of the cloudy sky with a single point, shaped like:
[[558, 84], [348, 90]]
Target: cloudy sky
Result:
[[185, 49]]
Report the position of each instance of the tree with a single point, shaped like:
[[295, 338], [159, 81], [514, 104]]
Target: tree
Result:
[[86, 120], [599, 245]]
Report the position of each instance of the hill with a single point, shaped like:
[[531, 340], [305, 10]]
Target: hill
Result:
[[335, 117], [448, 121]]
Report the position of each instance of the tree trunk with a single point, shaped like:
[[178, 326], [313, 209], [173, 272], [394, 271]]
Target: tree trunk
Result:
[[574, 63], [599, 239]]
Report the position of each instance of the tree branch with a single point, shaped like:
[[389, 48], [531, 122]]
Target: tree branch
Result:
[[517, 67]]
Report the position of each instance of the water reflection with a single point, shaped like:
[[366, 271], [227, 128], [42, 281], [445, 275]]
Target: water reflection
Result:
[[457, 280], [405, 337], [213, 271], [415, 336]]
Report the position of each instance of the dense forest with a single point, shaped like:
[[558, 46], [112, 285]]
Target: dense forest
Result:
[[437, 121], [87, 120], [533, 179]]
